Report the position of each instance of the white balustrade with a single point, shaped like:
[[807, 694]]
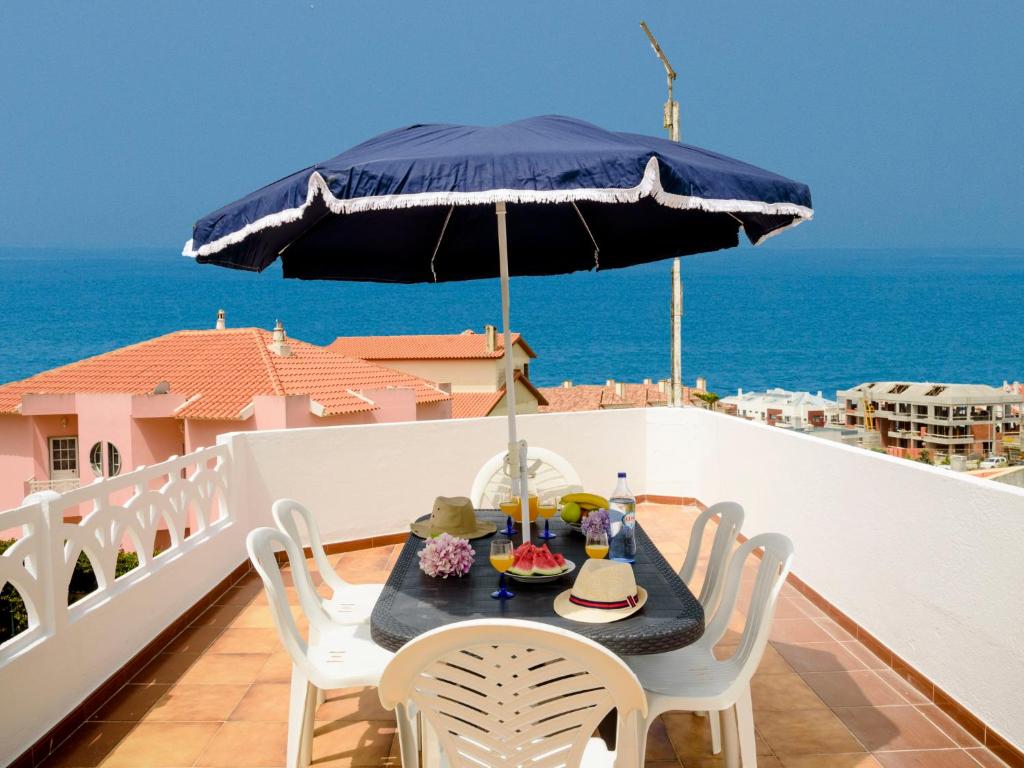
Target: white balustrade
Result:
[[185, 496]]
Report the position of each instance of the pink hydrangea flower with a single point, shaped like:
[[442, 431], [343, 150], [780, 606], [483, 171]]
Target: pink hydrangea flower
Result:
[[445, 556]]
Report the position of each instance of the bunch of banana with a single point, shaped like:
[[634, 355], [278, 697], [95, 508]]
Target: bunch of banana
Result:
[[586, 501], [576, 505]]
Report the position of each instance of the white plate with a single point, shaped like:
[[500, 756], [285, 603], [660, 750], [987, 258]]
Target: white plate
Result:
[[570, 566]]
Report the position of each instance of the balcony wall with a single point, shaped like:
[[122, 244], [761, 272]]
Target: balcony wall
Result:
[[364, 481], [925, 560]]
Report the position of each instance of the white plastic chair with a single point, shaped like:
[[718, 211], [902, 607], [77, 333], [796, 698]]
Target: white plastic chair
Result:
[[500, 694], [336, 655], [551, 477], [348, 603], [693, 680], [730, 521]]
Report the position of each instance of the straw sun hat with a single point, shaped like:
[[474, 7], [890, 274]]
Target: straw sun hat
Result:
[[604, 591], [453, 515]]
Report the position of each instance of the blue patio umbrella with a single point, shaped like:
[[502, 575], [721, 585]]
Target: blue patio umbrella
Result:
[[415, 205]]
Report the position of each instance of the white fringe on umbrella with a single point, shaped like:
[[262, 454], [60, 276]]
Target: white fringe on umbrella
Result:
[[649, 186]]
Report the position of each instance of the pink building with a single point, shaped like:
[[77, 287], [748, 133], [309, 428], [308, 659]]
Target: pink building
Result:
[[170, 395]]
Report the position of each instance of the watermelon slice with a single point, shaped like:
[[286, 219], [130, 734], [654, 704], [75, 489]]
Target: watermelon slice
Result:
[[530, 560], [522, 560], [545, 564]]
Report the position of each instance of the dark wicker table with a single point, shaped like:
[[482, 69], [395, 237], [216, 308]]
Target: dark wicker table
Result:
[[413, 603]]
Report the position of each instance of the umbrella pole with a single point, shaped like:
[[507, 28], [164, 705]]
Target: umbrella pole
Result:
[[510, 379]]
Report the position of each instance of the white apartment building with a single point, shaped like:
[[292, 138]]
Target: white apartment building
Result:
[[783, 408]]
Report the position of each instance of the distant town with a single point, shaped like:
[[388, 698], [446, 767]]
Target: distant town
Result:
[[170, 395]]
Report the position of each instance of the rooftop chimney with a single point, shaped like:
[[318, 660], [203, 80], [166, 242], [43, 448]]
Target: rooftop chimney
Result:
[[647, 382], [610, 383], [702, 384], [820, 396], [567, 384], [220, 320], [739, 392], [279, 346], [492, 338]]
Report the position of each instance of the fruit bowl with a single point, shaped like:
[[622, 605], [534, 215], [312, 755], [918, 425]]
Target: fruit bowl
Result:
[[570, 566]]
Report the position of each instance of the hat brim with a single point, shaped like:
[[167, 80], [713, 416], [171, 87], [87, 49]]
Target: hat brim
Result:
[[425, 530], [568, 610]]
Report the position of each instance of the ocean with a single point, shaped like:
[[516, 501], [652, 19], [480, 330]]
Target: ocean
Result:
[[753, 318]]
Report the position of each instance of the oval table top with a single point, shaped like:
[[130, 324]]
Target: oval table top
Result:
[[413, 603]]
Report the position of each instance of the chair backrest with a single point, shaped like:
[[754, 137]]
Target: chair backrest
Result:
[[551, 477], [288, 514], [512, 693], [263, 545], [729, 524], [776, 558]]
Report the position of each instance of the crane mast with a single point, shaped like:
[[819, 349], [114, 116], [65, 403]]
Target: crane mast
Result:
[[670, 120]]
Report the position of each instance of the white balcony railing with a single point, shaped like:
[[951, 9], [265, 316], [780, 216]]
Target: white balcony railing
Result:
[[919, 557], [62, 485], [69, 650]]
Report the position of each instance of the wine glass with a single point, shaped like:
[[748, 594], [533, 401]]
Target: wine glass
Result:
[[597, 544], [547, 511], [501, 561], [509, 506]]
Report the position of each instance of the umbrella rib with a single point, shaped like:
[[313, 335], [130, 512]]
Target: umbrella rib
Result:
[[597, 250], [440, 237], [304, 232]]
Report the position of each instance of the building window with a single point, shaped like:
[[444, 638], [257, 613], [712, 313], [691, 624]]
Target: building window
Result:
[[96, 458], [64, 454], [113, 460]]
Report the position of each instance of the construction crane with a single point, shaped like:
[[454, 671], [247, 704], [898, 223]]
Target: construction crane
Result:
[[671, 116], [671, 123]]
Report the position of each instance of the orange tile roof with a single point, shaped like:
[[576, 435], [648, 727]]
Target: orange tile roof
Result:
[[470, 405], [220, 372], [456, 346], [593, 397]]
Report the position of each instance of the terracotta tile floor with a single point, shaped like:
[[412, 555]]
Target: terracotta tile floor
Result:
[[218, 695]]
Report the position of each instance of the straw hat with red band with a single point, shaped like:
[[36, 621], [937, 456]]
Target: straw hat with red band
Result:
[[604, 591]]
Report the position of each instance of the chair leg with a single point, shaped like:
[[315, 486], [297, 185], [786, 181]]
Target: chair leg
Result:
[[312, 704], [745, 725], [716, 732], [643, 726], [730, 740], [300, 720]]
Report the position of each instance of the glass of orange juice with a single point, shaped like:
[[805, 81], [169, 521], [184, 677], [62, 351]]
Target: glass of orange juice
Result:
[[509, 507], [501, 561], [547, 511], [597, 544]]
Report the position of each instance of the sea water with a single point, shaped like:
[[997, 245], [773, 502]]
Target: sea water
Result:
[[753, 318]]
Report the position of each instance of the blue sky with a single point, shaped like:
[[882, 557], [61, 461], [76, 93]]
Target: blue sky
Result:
[[122, 122]]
